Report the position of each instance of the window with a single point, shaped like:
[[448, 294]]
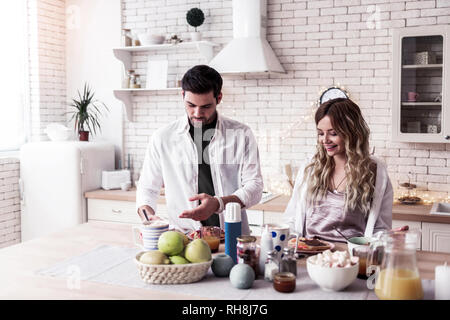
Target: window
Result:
[[13, 74]]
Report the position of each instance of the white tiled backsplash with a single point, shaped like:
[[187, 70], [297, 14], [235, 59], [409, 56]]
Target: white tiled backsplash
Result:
[[319, 43]]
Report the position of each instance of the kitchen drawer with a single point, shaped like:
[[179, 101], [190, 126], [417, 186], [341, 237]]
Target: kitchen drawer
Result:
[[436, 237], [113, 210], [412, 225], [117, 211]]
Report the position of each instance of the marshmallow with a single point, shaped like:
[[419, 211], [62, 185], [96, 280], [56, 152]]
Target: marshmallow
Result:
[[337, 259]]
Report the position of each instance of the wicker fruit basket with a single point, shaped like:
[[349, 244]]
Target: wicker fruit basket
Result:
[[171, 273]]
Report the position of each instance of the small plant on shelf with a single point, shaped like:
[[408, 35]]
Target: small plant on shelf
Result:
[[195, 18], [87, 113]]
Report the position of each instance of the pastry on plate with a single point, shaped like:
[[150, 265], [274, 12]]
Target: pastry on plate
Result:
[[310, 244]]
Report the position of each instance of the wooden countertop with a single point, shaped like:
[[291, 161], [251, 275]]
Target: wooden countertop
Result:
[[399, 211], [21, 261]]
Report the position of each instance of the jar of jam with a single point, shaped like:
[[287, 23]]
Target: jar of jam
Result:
[[284, 282], [246, 252]]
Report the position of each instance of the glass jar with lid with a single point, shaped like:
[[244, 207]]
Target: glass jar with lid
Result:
[[247, 252], [136, 83]]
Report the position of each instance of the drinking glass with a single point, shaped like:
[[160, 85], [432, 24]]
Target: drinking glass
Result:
[[211, 235]]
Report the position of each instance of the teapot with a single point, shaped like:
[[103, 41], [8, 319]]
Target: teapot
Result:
[[393, 258]]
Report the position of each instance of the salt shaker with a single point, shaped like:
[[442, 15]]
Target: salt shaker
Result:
[[288, 262], [271, 266]]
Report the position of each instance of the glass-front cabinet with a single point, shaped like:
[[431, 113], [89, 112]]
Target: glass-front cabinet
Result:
[[420, 110]]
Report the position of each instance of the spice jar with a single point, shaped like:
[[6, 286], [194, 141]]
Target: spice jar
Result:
[[246, 252], [126, 79], [288, 262], [133, 81], [284, 281], [271, 266], [136, 83], [127, 40]]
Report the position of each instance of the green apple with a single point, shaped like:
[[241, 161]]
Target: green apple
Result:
[[198, 251], [171, 243], [154, 257], [178, 260]]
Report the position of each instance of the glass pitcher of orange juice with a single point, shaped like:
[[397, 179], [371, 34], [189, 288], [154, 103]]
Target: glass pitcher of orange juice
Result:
[[397, 277]]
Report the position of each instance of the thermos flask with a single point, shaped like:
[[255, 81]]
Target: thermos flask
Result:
[[232, 228]]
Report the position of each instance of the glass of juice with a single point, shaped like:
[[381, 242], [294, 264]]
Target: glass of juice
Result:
[[211, 235]]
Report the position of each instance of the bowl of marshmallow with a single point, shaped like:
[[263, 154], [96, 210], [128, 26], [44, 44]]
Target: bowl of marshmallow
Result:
[[333, 271]]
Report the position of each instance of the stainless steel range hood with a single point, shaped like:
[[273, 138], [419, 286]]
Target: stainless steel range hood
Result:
[[249, 51]]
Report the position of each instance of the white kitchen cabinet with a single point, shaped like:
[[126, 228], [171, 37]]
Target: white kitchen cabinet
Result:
[[204, 48], [436, 237], [118, 211], [421, 74], [412, 225]]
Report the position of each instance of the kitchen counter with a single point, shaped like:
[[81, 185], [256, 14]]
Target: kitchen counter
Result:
[[20, 263], [399, 211]]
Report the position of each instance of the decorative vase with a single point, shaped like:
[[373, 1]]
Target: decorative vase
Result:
[[242, 276], [222, 265], [196, 36], [84, 135]]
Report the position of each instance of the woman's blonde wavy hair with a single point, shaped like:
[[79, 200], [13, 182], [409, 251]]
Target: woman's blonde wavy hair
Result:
[[349, 124]]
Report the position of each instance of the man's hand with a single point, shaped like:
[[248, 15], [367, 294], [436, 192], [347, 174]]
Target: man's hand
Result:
[[208, 206], [150, 213]]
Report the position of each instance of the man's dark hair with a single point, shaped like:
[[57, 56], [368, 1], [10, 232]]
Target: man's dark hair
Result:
[[202, 79]]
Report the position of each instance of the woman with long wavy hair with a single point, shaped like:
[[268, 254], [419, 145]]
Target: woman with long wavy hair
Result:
[[343, 187]]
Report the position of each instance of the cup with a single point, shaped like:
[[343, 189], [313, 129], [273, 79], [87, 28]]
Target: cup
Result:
[[211, 235], [149, 233], [361, 252], [357, 242], [432, 128], [413, 96], [280, 236]]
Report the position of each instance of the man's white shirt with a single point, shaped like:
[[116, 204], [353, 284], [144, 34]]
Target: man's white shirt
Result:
[[171, 160]]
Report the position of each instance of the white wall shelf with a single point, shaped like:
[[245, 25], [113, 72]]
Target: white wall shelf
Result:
[[422, 66], [124, 54], [205, 48], [125, 95], [421, 103]]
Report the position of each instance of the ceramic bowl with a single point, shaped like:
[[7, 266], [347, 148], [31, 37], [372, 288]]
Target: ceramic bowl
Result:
[[331, 279], [148, 39], [57, 132]]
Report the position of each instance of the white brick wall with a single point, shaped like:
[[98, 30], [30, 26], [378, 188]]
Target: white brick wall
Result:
[[320, 43], [9, 202], [47, 63]]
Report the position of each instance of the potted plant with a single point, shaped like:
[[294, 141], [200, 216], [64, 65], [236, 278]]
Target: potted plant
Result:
[[87, 113], [195, 18]]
